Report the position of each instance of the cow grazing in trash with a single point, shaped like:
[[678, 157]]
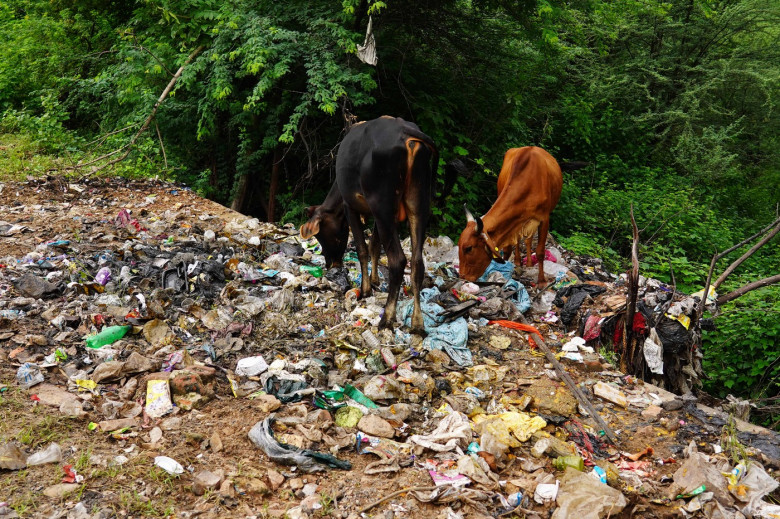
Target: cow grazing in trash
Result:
[[384, 169], [529, 187]]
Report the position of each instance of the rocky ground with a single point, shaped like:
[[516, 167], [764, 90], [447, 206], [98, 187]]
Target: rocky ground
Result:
[[231, 322]]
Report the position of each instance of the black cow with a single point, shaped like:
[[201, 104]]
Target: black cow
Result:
[[383, 169]]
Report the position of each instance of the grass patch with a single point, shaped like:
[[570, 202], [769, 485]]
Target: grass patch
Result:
[[21, 156], [134, 503], [51, 428]]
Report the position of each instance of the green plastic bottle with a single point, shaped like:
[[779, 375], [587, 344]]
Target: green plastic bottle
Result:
[[575, 462], [110, 334], [314, 271]]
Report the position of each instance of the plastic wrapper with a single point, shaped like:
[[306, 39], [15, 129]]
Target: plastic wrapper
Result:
[[262, 436], [29, 375], [158, 398], [169, 465]]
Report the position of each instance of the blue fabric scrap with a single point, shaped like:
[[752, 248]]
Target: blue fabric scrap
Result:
[[521, 299], [452, 337]]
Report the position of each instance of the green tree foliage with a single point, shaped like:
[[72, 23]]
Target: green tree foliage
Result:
[[673, 104]]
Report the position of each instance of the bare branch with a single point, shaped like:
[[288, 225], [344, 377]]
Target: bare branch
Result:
[[162, 147], [731, 268], [761, 283], [747, 240]]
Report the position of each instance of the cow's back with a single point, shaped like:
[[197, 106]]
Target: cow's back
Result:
[[531, 179]]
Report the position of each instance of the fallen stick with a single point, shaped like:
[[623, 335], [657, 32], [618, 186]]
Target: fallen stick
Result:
[[581, 398], [396, 493]]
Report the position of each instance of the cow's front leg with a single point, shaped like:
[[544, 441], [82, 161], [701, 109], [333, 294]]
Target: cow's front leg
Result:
[[360, 243]]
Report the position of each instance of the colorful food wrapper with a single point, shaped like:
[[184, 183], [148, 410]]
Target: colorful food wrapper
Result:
[[158, 398]]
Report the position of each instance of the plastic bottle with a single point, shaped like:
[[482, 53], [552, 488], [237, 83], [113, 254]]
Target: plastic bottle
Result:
[[314, 271], [575, 462], [371, 340], [109, 335]]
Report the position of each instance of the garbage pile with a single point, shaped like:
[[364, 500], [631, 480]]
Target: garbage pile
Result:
[[199, 357]]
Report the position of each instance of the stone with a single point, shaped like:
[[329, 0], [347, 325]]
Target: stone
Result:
[[296, 483], [267, 403], [275, 479], [672, 405], [215, 442], [376, 426], [257, 486], [226, 489], [205, 480], [59, 490], [190, 401], [309, 489], [171, 424], [551, 398], [311, 503], [184, 382], [54, 396], [652, 412], [12, 457], [113, 425], [155, 435]]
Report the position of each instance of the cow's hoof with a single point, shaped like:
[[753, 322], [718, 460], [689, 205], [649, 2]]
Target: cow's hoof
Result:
[[383, 323], [419, 332]]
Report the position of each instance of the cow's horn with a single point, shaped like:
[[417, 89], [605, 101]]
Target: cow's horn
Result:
[[469, 216]]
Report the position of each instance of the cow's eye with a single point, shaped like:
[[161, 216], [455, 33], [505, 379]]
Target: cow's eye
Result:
[[467, 249]]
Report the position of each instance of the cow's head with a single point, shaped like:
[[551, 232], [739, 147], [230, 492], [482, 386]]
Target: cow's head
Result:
[[475, 248], [331, 230]]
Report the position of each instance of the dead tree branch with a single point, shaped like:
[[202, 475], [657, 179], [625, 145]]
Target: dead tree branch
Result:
[[771, 280], [627, 359], [125, 150], [731, 268]]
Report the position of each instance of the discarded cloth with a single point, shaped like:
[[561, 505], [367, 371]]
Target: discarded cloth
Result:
[[451, 336], [454, 431]]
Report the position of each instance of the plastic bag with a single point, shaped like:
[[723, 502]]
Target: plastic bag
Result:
[[29, 375], [585, 497], [654, 353], [309, 461], [51, 454]]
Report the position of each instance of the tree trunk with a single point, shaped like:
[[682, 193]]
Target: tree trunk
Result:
[[274, 185]]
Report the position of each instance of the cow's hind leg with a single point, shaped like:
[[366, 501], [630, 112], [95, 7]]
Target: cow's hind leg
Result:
[[360, 243], [396, 262], [544, 227], [417, 226], [374, 248]]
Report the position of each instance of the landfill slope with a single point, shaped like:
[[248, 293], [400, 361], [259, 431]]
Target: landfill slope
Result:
[[231, 375]]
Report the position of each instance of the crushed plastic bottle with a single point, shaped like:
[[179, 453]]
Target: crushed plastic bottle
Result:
[[314, 271], [109, 335]]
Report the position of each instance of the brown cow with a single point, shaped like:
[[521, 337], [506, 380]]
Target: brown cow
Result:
[[529, 188]]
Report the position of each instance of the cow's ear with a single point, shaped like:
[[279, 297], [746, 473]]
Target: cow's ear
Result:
[[310, 228], [310, 210]]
